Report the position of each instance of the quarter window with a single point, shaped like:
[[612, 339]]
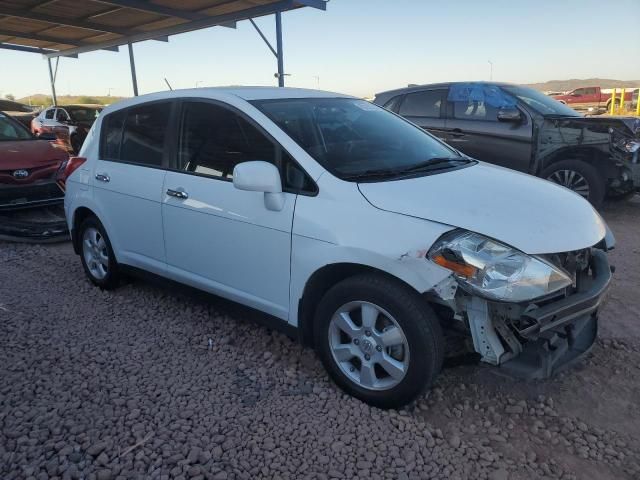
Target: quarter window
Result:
[[145, 130], [393, 104], [213, 140], [422, 104], [112, 135]]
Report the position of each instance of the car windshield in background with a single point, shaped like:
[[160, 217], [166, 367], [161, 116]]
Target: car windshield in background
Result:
[[540, 102], [83, 114], [355, 139], [12, 131]]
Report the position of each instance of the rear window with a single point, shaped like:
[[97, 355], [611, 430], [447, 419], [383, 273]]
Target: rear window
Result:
[[137, 134]]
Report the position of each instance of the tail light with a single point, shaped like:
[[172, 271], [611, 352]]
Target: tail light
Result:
[[67, 168]]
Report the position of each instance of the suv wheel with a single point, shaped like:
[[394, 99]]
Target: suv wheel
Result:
[[379, 341], [579, 176], [96, 254]]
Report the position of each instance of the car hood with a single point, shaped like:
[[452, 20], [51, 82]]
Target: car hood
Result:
[[28, 154], [598, 125], [530, 214]]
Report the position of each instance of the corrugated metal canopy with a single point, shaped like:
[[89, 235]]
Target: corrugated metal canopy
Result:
[[70, 27]]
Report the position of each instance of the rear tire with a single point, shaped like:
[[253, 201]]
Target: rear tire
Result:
[[580, 177], [378, 340], [96, 254]]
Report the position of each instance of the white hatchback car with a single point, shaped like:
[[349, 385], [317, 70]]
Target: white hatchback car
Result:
[[346, 222]]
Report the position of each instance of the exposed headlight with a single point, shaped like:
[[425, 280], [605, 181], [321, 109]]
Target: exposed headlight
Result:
[[494, 270], [632, 146]]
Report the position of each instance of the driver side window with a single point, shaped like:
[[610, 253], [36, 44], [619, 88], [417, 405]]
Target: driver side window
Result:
[[213, 140]]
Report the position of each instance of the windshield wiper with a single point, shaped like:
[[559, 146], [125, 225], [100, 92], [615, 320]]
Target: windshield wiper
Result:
[[436, 163]]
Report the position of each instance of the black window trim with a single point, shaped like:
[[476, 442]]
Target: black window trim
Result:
[[279, 149], [167, 140], [443, 102]]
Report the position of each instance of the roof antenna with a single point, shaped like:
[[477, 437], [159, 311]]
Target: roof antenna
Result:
[[168, 84]]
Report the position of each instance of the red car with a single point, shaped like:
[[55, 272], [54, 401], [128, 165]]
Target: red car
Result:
[[31, 168]]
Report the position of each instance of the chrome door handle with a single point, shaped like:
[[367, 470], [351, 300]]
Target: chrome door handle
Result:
[[103, 177], [179, 193]]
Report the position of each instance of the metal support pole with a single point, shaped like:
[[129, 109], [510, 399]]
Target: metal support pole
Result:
[[279, 48], [53, 84], [133, 71], [612, 105], [623, 94]]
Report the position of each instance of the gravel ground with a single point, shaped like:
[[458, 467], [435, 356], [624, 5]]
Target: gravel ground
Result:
[[127, 384]]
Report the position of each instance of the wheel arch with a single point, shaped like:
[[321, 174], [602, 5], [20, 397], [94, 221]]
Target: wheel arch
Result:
[[593, 156], [79, 216], [319, 284]]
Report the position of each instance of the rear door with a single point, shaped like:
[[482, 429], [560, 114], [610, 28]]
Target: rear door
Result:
[[128, 180], [425, 108], [474, 129]]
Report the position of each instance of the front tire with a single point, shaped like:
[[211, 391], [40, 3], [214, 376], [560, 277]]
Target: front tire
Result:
[[579, 176], [378, 340], [96, 254]]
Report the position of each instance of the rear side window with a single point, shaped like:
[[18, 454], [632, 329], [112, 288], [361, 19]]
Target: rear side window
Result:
[[422, 104], [144, 133]]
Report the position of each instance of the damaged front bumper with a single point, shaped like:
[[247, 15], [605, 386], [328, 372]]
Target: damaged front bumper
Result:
[[560, 332], [536, 339]]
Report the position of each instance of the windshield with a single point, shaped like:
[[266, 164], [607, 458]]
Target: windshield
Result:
[[83, 114], [540, 102], [11, 130], [351, 137]]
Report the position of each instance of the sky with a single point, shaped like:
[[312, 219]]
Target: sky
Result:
[[362, 47]]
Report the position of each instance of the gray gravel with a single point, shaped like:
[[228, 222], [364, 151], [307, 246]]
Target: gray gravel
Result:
[[144, 382]]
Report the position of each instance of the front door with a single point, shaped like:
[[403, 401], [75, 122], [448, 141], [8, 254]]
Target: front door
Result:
[[474, 129], [128, 180], [219, 238]]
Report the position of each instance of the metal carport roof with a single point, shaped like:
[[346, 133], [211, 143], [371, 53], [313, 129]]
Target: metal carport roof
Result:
[[69, 27]]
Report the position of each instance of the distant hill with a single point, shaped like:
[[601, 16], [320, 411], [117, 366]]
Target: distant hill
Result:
[[45, 100], [564, 85]]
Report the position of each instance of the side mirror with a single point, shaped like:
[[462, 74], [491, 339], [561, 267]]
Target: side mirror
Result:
[[47, 136], [510, 115], [259, 176]]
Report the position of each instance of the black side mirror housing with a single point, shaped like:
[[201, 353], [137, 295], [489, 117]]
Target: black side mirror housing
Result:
[[509, 115]]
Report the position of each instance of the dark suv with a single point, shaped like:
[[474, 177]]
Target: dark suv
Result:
[[523, 129]]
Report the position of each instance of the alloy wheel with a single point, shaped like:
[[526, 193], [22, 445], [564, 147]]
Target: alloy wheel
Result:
[[368, 345], [572, 180], [94, 251]]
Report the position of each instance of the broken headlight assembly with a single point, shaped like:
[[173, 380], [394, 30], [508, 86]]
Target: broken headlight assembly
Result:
[[631, 146], [494, 270]]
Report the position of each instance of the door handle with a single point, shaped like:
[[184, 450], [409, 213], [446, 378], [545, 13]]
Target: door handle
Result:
[[178, 193], [103, 177]]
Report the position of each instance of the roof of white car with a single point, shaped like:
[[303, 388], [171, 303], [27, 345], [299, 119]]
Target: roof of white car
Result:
[[245, 93]]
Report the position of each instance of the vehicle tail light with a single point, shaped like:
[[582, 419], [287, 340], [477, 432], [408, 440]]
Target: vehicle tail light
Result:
[[67, 168]]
